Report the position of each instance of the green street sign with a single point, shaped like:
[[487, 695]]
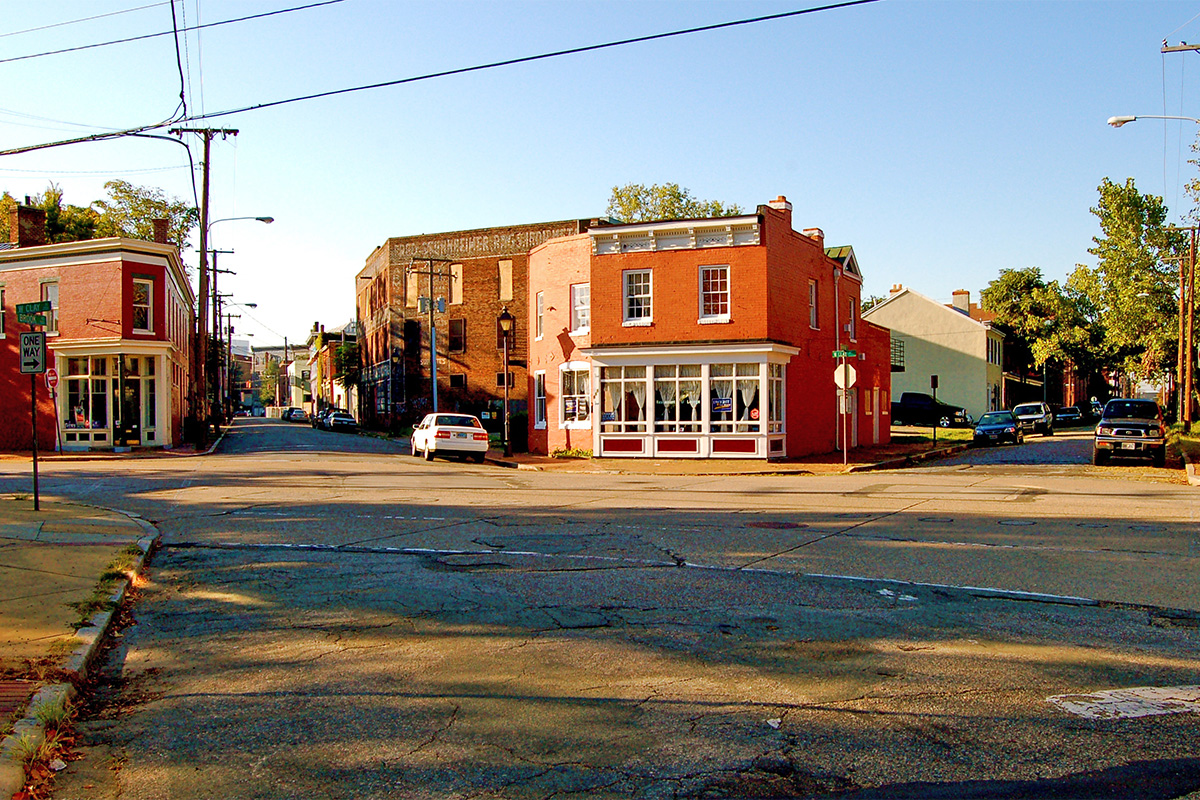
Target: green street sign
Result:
[[845, 354], [33, 308], [31, 319]]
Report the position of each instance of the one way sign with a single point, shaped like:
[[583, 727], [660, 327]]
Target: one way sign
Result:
[[33, 353]]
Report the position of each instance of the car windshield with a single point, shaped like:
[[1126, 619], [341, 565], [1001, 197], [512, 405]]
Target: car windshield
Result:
[[1034, 409], [996, 418], [1131, 409], [457, 421]]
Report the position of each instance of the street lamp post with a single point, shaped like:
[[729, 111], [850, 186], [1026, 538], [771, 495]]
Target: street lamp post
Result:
[[507, 324], [1187, 300], [215, 401]]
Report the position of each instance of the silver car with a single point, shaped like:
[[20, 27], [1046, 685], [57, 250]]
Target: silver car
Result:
[[1035, 418]]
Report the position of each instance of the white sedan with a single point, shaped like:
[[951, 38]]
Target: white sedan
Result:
[[449, 434]]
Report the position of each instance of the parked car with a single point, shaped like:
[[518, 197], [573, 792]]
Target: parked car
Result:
[[339, 421], [1068, 415], [294, 415], [997, 427], [449, 434], [1130, 428], [917, 408], [1035, 418]]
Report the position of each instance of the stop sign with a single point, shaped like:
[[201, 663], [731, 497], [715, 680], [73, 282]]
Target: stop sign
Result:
[[845, 376], [51, 378]]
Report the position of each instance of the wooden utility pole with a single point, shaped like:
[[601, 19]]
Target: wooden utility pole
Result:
[[1189, 336], [432, 273], [200, 387]]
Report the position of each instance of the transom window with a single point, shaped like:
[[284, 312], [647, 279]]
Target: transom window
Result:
[[638, 297], [714, 294]]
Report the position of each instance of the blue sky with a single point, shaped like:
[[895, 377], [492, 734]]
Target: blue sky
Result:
[[945, 141]]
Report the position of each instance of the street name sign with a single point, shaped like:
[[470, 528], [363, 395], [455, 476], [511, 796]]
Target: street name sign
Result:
[[34, 308], [33, 353], [845, 354], [31, 319]]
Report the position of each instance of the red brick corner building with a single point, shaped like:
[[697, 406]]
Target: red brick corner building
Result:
[[118, 334], [702, 338]]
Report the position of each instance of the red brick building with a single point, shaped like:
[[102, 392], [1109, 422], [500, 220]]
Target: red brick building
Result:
[[701, 338], [118, 335], [475, 274]]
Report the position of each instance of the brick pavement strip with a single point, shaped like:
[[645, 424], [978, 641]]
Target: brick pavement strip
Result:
[[52, 557]]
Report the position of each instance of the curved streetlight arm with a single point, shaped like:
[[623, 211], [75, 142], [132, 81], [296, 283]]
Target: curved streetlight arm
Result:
[[1117, 122]]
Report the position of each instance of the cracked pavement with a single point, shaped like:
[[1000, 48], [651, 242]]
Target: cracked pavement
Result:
[[363, 624]]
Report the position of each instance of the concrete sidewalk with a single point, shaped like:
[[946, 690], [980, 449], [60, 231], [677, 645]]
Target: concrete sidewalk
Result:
[[52, 563]]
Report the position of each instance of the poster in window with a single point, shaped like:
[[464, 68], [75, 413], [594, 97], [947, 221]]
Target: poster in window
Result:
[[722, 404], [569, 406]]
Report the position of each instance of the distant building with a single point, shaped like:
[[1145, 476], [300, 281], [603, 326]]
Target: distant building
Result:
[[475, 274], [323, 387], [118, 334], [956, 342]]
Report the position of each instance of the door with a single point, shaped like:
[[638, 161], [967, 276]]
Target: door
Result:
[[127, 428]]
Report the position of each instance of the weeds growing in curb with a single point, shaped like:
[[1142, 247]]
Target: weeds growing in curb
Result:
[[119, 569]]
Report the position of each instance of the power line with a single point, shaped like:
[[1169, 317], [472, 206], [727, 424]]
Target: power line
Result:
[[528, 59], [492, 65], [83, 19], [167, 33]]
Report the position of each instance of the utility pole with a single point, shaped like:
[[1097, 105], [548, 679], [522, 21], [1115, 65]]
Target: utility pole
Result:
[[200, 383], [432, 273], [1189, 338]]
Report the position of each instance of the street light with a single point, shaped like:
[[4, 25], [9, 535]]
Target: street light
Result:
[[507, 323], [1117, 122], [216, 310], [1187, 301]]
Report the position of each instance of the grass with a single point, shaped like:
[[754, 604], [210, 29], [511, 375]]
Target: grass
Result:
[[120, 568], [571, 452], [1186, 442], [909, 435]]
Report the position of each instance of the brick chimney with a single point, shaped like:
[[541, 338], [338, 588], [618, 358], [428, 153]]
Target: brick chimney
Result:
[[27, 226], [896, 289], [162, 228], [816, 234], [781, 203], [961, 301]]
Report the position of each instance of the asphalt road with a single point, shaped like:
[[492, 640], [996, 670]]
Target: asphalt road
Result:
[[330, 617]]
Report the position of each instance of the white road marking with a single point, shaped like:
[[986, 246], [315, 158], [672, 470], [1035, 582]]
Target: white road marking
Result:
[[1141, 701]]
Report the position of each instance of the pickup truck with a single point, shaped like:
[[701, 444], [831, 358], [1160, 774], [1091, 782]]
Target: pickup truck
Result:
[[916, 408]]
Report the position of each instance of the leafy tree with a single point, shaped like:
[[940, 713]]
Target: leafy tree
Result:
[[346, 368], [130, 211], [870, 302], [270, 382], [65, 223], [1128, 297], [7, 204], [636, 202]]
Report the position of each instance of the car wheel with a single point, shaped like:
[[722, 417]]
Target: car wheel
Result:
[[479, 458], [428, 453], [1160, 458], [1099, 457], [1049, 431], [413, 447], [944, 422]]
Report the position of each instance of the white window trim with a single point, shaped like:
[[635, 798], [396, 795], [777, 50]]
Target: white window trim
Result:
[[540, 424], [814, 310], [571, 299], [576, 425], [636, 322], [56, 307], [713, 319], [149, 304], [539, 315]]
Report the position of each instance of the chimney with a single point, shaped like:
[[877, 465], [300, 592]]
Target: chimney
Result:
[[816, 234], [161, 228], [961, 301], [27, 226], [781, 203], [896, 289]]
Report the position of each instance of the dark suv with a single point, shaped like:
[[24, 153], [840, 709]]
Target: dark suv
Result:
[[1130, 428]]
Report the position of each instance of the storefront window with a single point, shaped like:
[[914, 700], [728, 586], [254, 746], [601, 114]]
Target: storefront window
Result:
[[720, 392], [623, 399], [576, 405], [746, 398], [677, 398], [775, 397]]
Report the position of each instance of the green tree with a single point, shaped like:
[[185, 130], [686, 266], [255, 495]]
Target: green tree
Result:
[[636, 202], [65, 223], [1129, 296], [346, 368], [7, 204], [270, 382], [130, 211]]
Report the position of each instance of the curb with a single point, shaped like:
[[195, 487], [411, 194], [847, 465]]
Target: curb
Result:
[[88, 642]]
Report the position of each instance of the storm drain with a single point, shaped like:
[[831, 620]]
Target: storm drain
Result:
[[1142, 701]]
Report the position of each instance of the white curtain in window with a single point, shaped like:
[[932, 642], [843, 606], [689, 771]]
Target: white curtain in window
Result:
[[747, 390]]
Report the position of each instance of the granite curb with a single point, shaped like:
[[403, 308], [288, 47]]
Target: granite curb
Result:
[[30, 730]]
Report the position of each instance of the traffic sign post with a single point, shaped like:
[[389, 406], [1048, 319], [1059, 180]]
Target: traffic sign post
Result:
[[845, 376], [33, 363]]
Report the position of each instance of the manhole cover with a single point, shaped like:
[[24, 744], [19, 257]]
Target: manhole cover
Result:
[[1018, 522], [935, 519], [1093, 525], [774, 525]]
